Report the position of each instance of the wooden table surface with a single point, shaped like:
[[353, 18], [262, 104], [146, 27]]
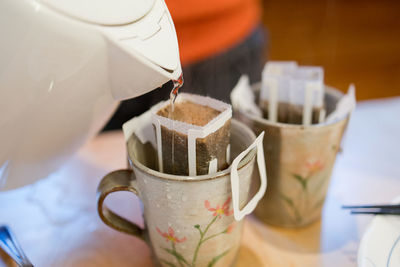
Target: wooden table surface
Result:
[[57, 225]]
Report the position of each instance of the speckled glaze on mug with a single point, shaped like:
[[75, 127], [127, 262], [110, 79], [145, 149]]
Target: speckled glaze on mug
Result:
[[299, 161], [188, 220]]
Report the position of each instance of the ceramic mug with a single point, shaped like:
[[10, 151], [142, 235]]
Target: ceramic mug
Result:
[[299, 165], [188, 220]]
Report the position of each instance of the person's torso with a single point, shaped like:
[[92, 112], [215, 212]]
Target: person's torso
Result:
[[208, 27]]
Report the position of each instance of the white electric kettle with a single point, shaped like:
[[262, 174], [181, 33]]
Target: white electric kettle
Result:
[[64, 64]]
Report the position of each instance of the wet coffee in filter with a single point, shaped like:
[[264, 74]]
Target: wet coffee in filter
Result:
[[194, 139]]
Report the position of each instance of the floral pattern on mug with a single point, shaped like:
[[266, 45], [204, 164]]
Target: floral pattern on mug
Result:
[[301, 205], [170, 236], [218, 211], [314, 166]]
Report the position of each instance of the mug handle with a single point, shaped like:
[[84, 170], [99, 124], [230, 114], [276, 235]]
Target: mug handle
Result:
[[251, 205], [120, 180]]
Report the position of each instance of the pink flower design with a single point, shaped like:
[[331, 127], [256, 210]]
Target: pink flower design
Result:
[[230, 228], [219, 210], [314, 166], [170, 236]]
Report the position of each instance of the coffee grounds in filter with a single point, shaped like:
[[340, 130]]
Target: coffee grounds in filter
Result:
[[207, 121], [189, 112]]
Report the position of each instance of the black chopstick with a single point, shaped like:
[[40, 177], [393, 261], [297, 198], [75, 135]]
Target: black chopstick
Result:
[[394, 206], [377, 212], [393, 209]]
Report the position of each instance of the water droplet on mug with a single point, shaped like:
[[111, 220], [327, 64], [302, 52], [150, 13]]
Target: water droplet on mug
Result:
[[157, 205], [169, 196], [169, 224]]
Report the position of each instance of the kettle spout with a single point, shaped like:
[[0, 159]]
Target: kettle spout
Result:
[[143, 55]]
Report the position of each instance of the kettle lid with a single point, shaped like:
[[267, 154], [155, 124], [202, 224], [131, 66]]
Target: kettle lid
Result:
[[103, 12]]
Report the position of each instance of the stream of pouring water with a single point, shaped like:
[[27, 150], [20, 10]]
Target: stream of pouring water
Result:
[[172, 97]]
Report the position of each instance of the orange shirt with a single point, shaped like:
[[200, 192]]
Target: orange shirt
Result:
[[207, 27]]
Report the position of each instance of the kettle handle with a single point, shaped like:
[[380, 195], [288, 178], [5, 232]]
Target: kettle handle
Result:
[[120, 180]]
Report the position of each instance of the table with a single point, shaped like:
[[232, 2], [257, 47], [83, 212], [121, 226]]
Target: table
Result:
[[56, 222]]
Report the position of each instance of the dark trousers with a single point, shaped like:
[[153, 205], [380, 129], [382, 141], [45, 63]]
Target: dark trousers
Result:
[[214, 77]]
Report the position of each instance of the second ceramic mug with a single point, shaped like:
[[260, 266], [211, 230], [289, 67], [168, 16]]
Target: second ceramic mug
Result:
[[188, 220], [300, 161]]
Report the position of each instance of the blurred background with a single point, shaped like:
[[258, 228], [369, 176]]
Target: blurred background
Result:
[[356, 41]]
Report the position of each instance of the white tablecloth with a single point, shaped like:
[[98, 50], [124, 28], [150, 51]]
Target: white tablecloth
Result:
[[57, 225]]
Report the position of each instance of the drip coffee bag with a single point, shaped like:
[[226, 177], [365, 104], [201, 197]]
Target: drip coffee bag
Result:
[[192, 136], [292, 94]]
